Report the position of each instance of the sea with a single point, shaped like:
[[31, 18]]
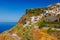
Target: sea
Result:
[[6, 26]]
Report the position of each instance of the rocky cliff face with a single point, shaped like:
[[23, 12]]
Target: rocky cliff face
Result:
[[25, 29]]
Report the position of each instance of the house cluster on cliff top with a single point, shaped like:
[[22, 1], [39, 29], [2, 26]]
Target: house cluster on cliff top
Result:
[[53, 13], [55, 9]]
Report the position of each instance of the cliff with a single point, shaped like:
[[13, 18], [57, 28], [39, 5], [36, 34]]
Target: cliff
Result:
[[32, 25]]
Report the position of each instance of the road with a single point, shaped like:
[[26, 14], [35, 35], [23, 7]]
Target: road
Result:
[[52, 28]]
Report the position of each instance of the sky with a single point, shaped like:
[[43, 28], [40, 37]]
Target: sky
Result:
[[12, 10]]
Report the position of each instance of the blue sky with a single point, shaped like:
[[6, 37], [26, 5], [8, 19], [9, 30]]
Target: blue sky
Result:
[[12, 10]]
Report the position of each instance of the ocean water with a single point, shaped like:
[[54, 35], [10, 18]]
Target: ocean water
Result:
[[6, 26]]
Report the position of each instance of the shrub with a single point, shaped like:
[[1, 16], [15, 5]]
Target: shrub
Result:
[[42, 24], [26, 35], [50, 30]]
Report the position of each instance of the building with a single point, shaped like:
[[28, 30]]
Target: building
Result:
[[51, 19], [53, 10], [35, 19]]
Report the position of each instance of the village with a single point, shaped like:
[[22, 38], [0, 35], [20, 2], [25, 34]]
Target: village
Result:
[[51, 15]]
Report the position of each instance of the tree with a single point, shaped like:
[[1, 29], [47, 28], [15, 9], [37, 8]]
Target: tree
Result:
[[38, 11], [58, 15], [35, 11]]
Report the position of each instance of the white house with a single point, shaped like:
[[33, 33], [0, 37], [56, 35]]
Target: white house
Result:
[[46, 11], [54, 11], [35, 19], [58, 3], [32, 19]]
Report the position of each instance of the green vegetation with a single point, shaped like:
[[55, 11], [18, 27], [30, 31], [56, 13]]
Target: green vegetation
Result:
[[26, 34], [17, 28], [35, 11], [50, 30], [58, 15], [42, 23], [57, 26]]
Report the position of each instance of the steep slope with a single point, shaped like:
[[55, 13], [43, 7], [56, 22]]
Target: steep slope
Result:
[[30, 26]]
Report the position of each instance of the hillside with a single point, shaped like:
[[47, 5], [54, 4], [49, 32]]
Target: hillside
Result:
[[36, 24]]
